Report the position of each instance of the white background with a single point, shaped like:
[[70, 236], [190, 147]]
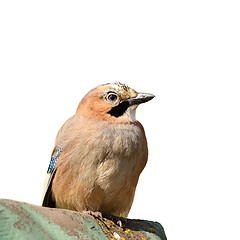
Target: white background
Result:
[[187, 53]]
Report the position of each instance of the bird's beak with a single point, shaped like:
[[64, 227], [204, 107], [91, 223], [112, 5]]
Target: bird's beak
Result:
[[140, 98]]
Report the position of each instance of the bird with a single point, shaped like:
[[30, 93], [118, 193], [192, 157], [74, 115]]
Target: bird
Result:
[[99, 153]]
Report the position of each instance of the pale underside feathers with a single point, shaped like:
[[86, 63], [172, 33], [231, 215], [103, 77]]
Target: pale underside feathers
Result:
[[99, 153]]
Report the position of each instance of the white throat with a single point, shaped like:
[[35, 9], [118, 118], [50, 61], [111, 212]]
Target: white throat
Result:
[[131, 112]]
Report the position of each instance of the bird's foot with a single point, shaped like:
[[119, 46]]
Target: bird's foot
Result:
[[119, 221], [95, 214]]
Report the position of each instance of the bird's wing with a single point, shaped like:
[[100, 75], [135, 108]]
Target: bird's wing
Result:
[[48, 201], [64, 133]]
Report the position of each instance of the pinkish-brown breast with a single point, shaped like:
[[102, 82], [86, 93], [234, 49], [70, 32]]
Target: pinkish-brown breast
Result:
[[99, 166]]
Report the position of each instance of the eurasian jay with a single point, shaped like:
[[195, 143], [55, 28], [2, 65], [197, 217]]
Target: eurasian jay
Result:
[[99, 153]]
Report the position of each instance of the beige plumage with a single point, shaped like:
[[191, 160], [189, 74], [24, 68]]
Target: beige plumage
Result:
[[99, 153]]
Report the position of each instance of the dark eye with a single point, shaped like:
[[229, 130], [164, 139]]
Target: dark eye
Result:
[[112, 97]]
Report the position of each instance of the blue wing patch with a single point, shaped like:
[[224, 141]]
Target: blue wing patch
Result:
[[54, 160]]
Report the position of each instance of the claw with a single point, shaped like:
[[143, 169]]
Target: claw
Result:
[[119, 223]]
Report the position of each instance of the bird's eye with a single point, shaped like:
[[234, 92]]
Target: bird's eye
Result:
[[112, 97]]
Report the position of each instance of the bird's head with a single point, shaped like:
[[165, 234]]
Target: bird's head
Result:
[[114, 102]]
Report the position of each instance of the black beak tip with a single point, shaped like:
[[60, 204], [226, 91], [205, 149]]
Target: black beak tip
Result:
[[151, 96], [145, 97], [141, 98]]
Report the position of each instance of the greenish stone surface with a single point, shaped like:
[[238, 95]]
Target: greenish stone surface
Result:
[[22, 221]]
